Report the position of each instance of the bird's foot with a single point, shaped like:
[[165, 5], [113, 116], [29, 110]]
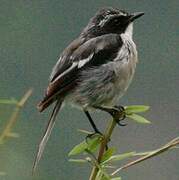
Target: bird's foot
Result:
[[118, 113]]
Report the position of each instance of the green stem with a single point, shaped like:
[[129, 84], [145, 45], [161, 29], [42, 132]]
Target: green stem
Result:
[[13, 118], [106, 138]]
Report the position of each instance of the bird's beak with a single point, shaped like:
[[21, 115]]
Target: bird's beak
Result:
[[135, 16]]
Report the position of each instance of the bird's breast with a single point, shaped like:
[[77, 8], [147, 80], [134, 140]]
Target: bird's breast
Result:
[[125, 63]]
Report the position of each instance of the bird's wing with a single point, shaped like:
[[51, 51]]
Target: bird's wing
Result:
[[97, 51], [64, 61], [94, 52]]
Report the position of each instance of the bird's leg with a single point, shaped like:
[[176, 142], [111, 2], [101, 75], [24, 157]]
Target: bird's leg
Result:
[[117, 112], [96, 130]]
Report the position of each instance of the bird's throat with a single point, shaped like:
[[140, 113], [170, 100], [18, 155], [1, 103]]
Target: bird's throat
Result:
[[129, 30]]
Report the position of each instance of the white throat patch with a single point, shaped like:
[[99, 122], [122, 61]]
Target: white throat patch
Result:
[[129, 30]]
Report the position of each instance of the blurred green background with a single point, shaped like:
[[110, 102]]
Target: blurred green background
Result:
[[32, 35]]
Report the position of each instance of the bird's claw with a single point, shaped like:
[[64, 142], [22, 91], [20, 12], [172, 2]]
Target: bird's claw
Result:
[[118, 113], [121, 124]]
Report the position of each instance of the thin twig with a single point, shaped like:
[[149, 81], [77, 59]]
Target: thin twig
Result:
[[106, 137], [151, 154], [96, 164], [105, 140], [13, 118]]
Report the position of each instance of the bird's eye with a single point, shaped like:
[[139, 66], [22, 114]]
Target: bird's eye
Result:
[[116, 21]]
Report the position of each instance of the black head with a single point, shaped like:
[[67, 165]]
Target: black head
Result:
[[110, 20]]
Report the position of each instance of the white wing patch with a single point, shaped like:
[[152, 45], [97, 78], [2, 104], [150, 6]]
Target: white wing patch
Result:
[[82, 62], [67, 71], [78, 64], [54, 69]]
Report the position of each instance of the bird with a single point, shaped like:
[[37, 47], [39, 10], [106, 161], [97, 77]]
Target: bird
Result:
[[94, 70]]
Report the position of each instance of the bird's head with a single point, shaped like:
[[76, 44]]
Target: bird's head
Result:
[[110, 20]]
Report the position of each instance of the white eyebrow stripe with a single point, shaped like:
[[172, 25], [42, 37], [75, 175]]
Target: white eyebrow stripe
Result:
[[123, 14], [101, 24]]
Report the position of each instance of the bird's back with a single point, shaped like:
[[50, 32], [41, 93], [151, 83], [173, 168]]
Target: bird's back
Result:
[[105, 84]]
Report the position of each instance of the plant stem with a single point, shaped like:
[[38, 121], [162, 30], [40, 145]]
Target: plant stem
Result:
[[111, 125], [13, 118], [166, 147]]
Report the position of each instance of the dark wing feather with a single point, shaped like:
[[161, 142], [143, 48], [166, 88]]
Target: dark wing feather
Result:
[[94, 52], [64, 61], [97, 51]]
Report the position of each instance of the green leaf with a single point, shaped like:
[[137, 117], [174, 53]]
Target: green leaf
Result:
[[78, 160], [102, 175], [108, 166], [84, 131], [136, 109], [1, 140], [105, 178], [8, 101], [116, 178], [94, 142], [2, 173], [143, 153], [78, 148], [13, 135], [120, 157], [108, 154], [99, 175], [138, 118], [89, 144]]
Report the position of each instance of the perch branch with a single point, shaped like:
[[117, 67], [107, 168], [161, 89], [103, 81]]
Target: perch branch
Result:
[[108, 132], [151, 154]]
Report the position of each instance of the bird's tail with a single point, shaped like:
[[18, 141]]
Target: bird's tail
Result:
[[46, 134]]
